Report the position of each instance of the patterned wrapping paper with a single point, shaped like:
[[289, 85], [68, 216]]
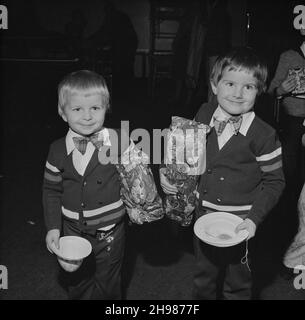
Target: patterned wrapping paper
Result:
[[299, 74], [185, 161], [138, 189]]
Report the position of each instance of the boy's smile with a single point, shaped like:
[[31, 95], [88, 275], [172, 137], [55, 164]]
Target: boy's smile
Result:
[[236, 91], [84, 113]]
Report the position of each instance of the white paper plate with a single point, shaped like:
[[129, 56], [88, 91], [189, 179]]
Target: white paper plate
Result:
[[72, 252], [73, 248], [218, 229]]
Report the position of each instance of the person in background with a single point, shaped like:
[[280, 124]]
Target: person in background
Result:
[[293, 107], [204, 33], [117, 41]]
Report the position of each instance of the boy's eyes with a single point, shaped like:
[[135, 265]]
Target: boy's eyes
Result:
[[230, 84], [95, 108], [250, 87]]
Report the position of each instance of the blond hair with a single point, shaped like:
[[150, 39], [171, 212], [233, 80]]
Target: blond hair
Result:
[[82, 82]]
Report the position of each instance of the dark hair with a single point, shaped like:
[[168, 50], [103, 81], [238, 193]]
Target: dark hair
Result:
[[243, 58]]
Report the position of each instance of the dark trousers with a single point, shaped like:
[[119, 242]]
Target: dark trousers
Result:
[[219, 272], [293, 153], [99, 277]]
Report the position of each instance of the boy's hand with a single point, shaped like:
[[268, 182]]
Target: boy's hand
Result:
[[133, 215], [166, 186], [248, 225], [52, 239]]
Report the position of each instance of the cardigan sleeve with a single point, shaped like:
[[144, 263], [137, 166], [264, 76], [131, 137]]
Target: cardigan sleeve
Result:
[[281, 71], [269, 159], [52, 191]]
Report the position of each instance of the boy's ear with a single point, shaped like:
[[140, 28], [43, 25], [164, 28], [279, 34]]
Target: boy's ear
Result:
[[214, 88], [62, 114]]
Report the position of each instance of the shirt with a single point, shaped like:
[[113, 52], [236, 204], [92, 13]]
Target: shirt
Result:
[[81, 161], [228, 132]]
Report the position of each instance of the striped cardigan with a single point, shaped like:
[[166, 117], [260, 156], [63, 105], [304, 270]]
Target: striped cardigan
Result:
[[92, 200], [245, 177]]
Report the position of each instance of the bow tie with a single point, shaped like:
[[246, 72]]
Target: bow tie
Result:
[[220, 125], [82, 142]]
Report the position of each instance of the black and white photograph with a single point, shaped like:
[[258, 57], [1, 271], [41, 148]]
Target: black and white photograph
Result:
[[153, 152]]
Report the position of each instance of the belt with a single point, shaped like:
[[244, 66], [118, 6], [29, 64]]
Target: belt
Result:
[[206, 210], [102, 234], [93, 232]]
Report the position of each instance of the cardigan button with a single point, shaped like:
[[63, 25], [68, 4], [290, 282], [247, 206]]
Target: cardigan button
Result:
[[83, 205], [218, 200], [205, 191], [222, 178], [99, 181], [209, 171]]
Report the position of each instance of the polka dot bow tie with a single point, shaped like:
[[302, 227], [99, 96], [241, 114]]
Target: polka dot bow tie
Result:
[[235, 121], [82, 142]]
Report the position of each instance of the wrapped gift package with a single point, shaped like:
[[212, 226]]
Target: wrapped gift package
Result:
[[184, 162], [138, 189], [299, 75]]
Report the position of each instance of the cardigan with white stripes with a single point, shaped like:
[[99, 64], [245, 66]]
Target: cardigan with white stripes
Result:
[[245, 177], [92, 200]]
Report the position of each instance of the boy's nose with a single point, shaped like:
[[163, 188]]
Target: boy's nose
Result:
[[87, 115], [238, 92]]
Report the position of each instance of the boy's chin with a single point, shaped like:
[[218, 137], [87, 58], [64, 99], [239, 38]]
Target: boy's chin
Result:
[[236, 112], [230, 112], [88, 132]]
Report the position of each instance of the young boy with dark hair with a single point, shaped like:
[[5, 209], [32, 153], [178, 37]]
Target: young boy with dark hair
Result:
[[243, 173]]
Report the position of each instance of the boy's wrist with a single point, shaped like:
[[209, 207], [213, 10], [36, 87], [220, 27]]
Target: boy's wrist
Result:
[[54, 230], [253, 219]]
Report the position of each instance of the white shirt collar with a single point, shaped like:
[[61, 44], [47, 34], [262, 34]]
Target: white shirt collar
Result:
[[245, 125], [103, 135]]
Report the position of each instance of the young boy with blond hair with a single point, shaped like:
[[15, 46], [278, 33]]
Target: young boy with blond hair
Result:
[[81, 196]]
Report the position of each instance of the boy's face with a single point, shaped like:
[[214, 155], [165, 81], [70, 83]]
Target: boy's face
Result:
[[84, 113], [236, 91]]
